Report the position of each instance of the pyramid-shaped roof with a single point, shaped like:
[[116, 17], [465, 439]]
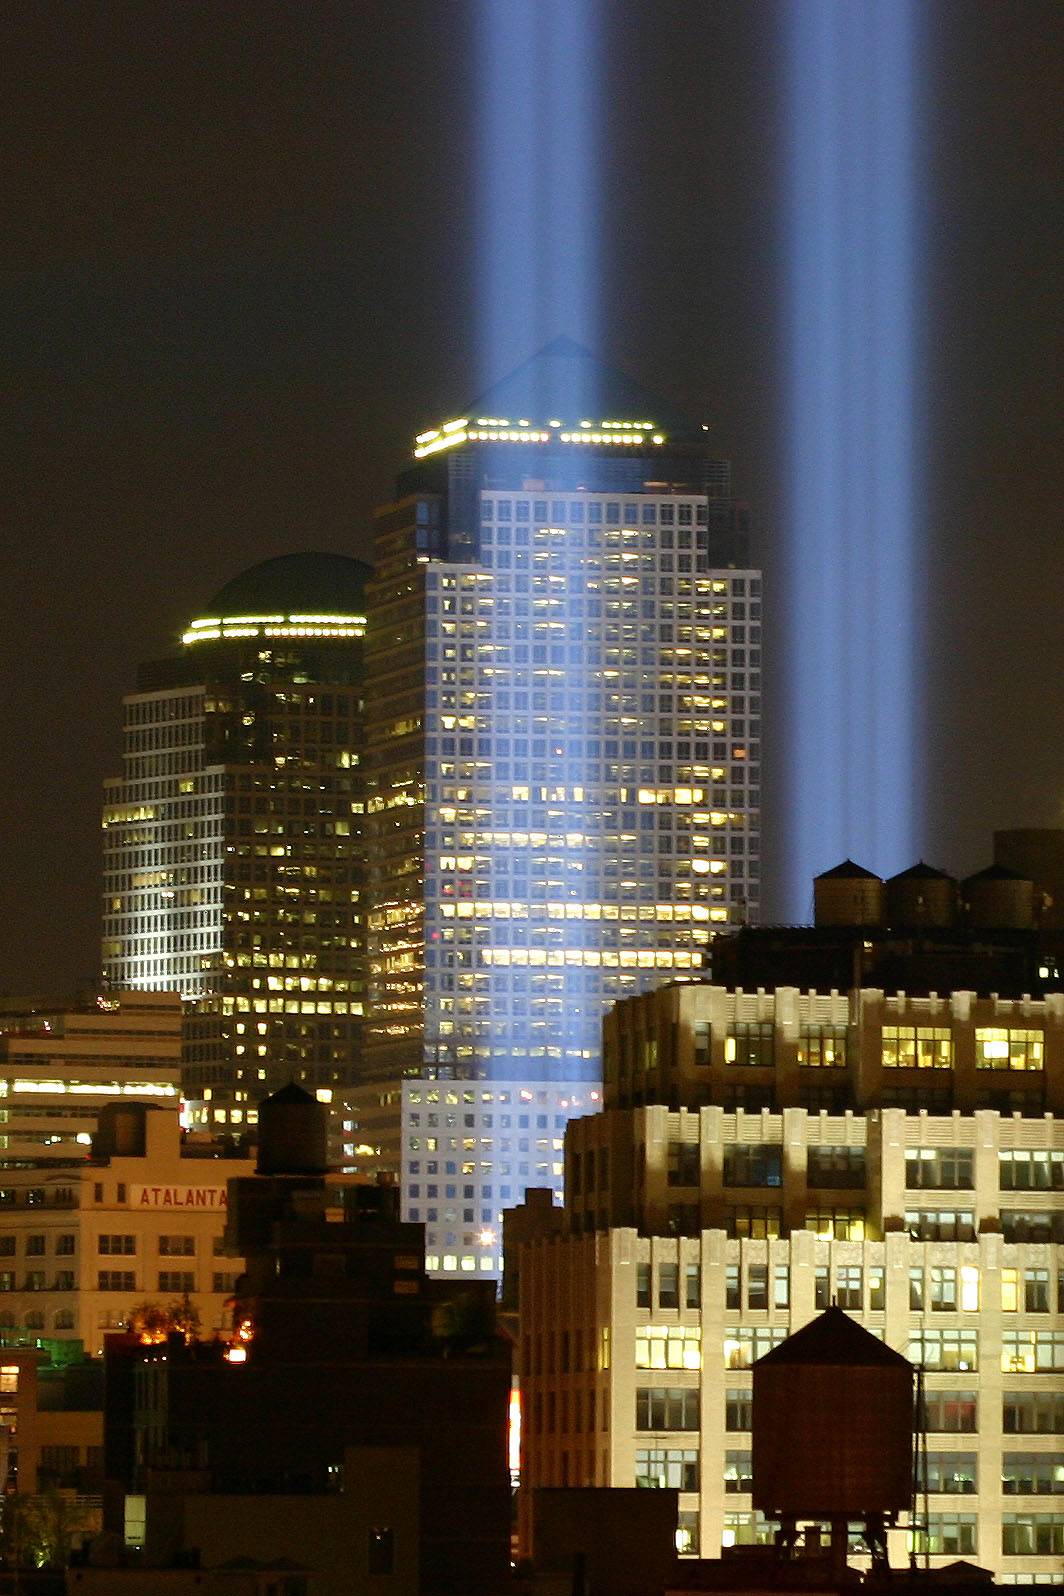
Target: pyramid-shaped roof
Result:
[[847, 871], [292, 1093], [566, 381], [921, 872], [996, 872], [831, 1340]]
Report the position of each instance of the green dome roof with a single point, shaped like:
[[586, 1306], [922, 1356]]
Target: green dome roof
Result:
[[294, 583]]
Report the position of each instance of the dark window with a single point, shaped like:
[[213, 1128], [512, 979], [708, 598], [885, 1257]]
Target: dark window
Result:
[[668, 1285], [380, 1556], [753, 1164], [940, 1224], [684, 1219], [1036, 1290], [738, 1408], [642, 1285], [180, 1280], [1031, 1171], [837, 1168], [1032, 1534], [951, 1412], [1032, 1474], [666, 1408], [1025, 1224], [1033, 1413], [939, 1168], [683, 1166]]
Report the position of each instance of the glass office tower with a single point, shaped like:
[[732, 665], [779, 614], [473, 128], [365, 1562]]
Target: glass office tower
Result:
[[233, 863], [563, 771]]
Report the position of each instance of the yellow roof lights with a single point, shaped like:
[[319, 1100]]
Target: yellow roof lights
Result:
[[237, 626], [444, 440], [499, 429]]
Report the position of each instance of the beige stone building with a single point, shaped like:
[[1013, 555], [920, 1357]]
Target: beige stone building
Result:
[[61, 1064], [81, 1245], [701, 1230]]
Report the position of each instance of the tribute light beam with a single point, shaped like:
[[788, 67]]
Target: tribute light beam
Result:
[[537, 252], [851, 582], [537, 158]]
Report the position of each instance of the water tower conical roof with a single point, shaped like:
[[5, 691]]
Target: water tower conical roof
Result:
[[833, 1340]]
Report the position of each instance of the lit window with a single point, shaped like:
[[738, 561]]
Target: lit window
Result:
[[668, 1347], [917, 1047], [997, 1048]]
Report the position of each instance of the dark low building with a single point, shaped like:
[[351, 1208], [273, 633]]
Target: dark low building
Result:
[[341, 1345]]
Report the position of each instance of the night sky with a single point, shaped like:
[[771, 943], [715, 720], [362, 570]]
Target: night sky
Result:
[[238, 251]]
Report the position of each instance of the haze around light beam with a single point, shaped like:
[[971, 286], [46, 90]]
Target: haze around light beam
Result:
[[537, 247], [850, 590]]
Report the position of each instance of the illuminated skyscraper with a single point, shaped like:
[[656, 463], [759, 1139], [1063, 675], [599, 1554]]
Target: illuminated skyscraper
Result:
[[232, 840], [563, 769]]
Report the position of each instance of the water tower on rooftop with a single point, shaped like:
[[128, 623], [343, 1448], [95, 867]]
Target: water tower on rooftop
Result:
[[833, 1432]]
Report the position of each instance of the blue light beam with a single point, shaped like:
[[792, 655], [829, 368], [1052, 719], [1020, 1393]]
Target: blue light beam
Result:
[[851, 590], [537, 157]]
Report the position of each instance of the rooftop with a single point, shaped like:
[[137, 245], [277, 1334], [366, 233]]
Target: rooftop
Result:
[[311, 581], [565, 394], [309, 595], [848, 871]]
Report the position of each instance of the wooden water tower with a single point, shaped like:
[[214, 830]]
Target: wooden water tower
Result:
[[833, 1432]]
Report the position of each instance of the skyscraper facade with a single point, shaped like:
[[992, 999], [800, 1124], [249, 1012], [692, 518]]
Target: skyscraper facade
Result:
[[563, 769], [232, 840]]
